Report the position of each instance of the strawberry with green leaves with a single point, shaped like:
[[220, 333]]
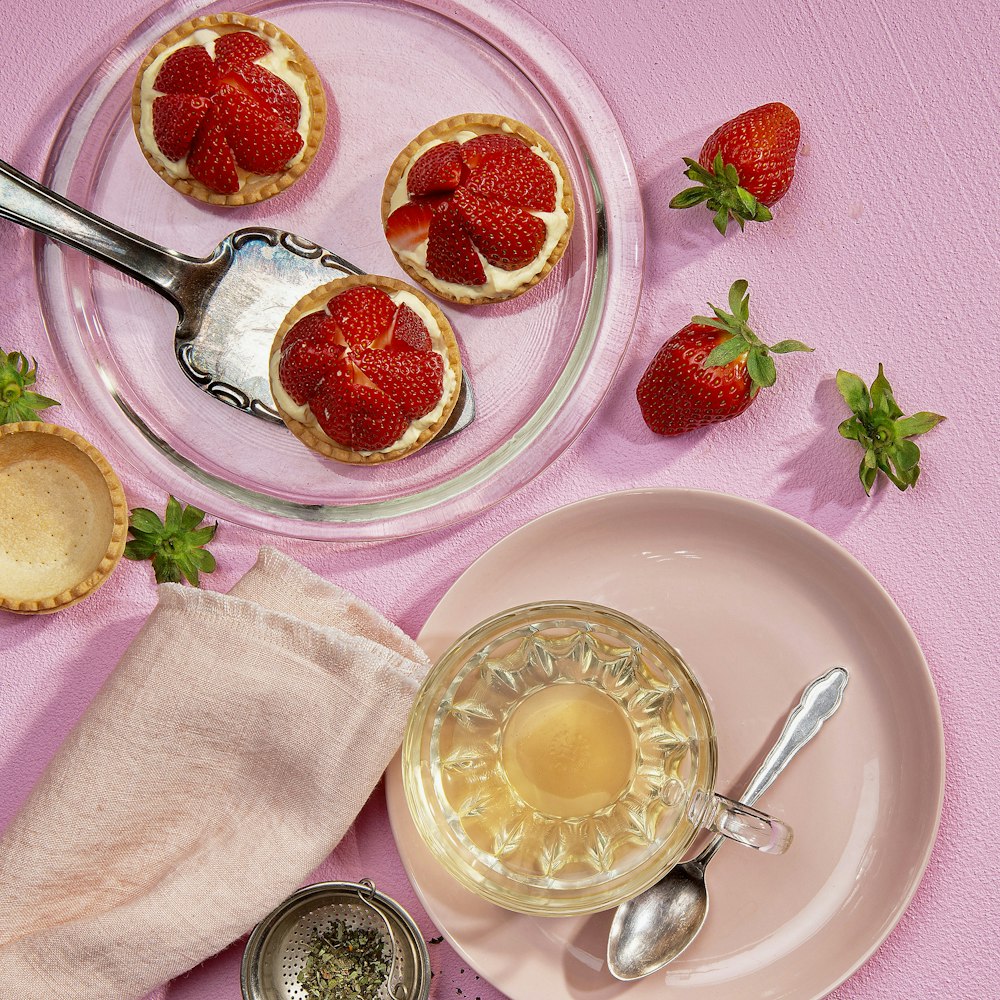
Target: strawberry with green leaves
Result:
[[709, 371], [745, 166], [880, 427], [17, 401]]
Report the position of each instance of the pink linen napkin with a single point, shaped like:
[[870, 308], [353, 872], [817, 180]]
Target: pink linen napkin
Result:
[[222, 761]]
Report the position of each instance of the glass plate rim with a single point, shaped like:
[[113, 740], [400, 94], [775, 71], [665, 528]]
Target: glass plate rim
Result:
[[560, 417]]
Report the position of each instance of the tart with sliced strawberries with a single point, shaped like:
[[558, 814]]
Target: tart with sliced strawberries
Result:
[[478, 208], [228, 109], [365, 369]]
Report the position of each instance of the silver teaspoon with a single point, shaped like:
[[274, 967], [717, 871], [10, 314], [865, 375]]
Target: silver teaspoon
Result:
[[229, 304], [657, 925]]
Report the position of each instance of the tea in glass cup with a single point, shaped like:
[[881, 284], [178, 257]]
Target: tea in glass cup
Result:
[[560, 756]]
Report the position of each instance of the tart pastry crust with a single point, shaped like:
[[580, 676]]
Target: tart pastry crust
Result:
[[312, 436], [72, 530], [256, 187], [448, 128]]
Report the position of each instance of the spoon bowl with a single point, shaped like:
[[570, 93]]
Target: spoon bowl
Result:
[[652, 929], [650, 935]]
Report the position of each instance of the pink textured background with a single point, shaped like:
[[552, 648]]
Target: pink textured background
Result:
[[885, 249]]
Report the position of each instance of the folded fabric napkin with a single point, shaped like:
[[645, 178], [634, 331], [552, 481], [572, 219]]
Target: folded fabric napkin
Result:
[[222, 761]]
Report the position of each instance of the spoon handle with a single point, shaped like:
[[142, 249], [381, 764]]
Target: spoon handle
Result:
[[819, 701]]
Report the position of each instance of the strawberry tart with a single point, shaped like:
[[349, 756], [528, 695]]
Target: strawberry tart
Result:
[[365, 369], [228, 109], [478, 208]]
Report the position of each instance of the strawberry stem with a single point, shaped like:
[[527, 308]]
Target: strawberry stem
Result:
[[742, 342], [175, 545], [17, 402], [879, 426], [720, 189]]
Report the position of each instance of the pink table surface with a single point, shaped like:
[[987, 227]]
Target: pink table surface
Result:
[[885, 250]]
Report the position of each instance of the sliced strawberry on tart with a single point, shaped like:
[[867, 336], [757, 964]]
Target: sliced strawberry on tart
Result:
[[365, 369], [478, 208], [228, 109]]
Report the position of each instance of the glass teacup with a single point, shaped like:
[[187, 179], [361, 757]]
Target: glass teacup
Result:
[[561, 756]]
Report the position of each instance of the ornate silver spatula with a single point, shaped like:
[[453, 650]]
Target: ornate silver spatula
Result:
[[229, 304]]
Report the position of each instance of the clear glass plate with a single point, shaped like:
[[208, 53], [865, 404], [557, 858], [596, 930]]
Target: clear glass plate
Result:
[[540, 365]]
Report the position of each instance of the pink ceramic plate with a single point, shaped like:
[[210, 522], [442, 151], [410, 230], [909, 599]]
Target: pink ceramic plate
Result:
[[759, 604]]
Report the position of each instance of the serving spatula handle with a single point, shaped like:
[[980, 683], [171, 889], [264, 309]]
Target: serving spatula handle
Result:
[[30, 204]]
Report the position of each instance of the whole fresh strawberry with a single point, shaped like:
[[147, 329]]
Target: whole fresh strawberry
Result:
[[709, 371], [882, 429], [745, 166]]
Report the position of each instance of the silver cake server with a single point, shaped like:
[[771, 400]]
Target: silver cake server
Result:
[[229, 304]]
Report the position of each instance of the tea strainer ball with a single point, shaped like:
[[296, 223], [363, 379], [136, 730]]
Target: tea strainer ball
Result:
[[279, 946]]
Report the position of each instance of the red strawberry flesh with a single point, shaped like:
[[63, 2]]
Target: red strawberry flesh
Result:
[[360, 417], [414, 379], [451, 255], [436, 171], [517, 178], [238, 48], [267, 90], [317, 324], [261, 143], [409, 225], [308, 364], [761, 144], [677, 394], [211, 161], [409, 333], [258, 125], [363, 312], [507, 236], [176, 118], [476, 149], [189, 70]]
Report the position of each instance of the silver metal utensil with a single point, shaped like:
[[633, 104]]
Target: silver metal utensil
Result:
[[229, 304], [657, 925]]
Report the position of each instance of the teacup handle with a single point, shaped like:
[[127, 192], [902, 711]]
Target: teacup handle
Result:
[[741, 823]]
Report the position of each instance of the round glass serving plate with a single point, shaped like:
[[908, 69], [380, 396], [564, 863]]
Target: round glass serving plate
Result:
[[539, 365]]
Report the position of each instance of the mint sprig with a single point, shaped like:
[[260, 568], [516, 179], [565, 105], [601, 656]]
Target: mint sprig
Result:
[[720, 189], [880, 427], [743, 341], [175, 544], [17, 402]]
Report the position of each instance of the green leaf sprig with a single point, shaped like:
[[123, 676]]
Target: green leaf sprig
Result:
[[742, 340], [879, 426], [174, 545], [720, 188], [17, 402]]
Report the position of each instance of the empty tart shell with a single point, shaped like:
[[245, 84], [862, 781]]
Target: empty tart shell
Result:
[[254, 187], [310, 434], [63, 518], [480, 124]]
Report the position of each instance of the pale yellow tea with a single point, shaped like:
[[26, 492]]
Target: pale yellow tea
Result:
[[568, 750], [568, 754]]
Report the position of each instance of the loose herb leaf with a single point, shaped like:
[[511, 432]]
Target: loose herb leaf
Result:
[[17, 402], [879, 426], [344, 963], [174, 545]]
